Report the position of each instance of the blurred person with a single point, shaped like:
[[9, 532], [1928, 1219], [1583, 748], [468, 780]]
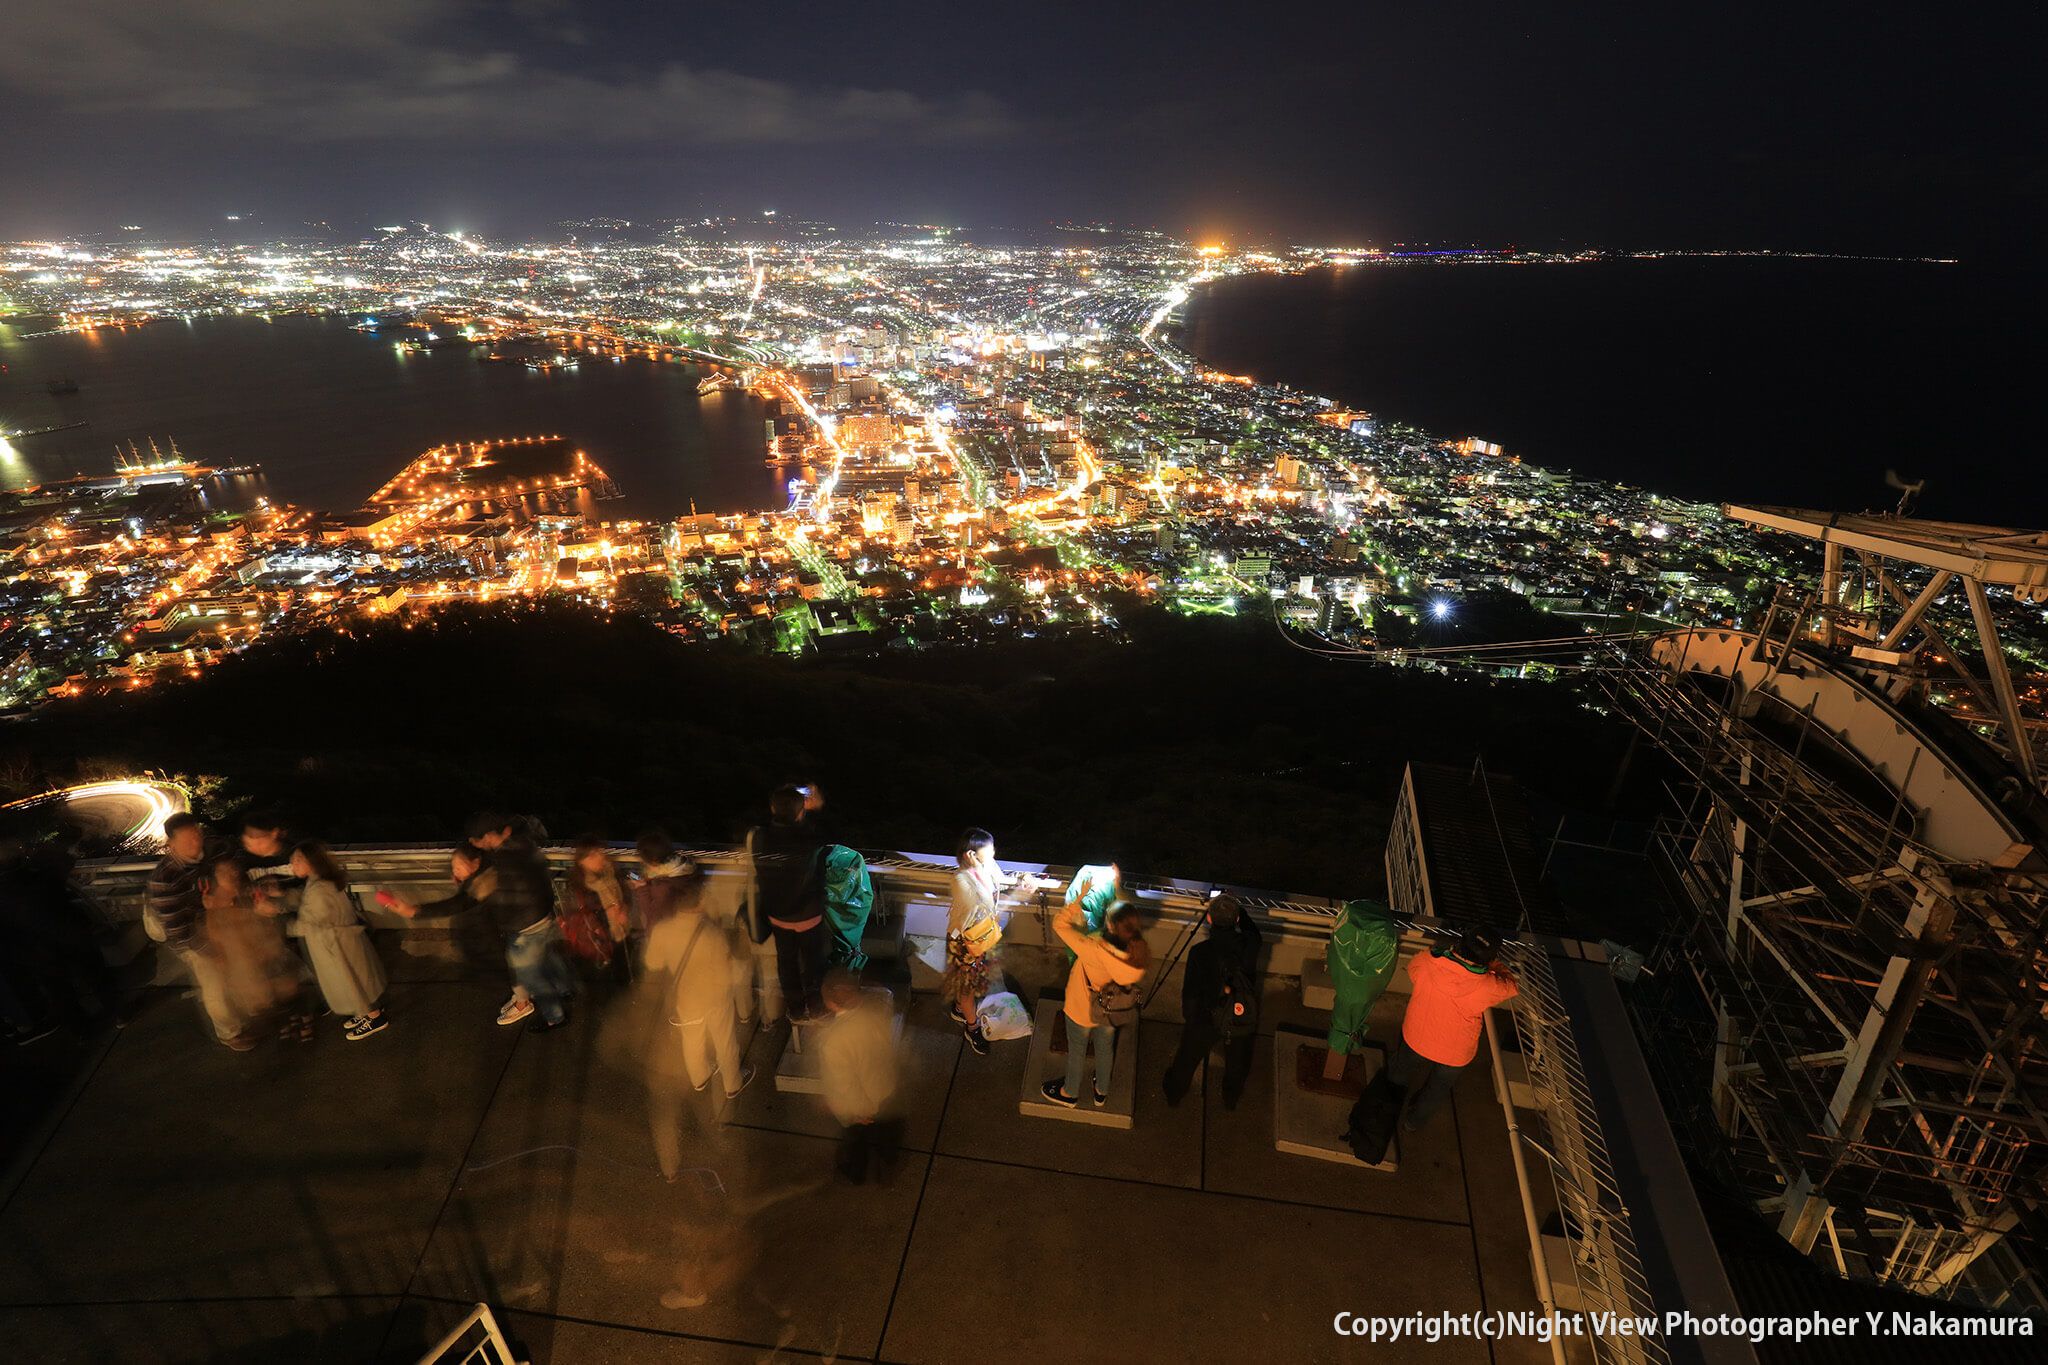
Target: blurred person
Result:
[[265, 856], [858, 1065], [689, 963], [593, 912], [1219, 1001], [174, 914], [787, 858], [525, 891], [1111, 962], [264, 977], [345, 962], [480, 888], [664, 878], [1454, 985]]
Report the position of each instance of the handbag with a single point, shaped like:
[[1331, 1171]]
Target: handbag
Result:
[[584, 932], [1116, 1003], [982, 935]]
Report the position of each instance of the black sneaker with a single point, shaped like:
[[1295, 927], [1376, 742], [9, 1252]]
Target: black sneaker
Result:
[[1054, 1093], [541, 1024], [746, 1079], [363, 1026], [1101, 1097], [977, 1040], [953, 1012]]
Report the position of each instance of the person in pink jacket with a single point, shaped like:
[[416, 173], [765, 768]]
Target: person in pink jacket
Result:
[[1116, 956]]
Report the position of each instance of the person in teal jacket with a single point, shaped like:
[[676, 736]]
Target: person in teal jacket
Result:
[[1363, 949], [849, 899]]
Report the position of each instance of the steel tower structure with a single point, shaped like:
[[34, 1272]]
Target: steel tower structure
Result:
[[1856, 986]]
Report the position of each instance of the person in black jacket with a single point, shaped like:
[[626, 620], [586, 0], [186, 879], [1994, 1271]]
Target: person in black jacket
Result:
[[788, 857], [501, 872], [1219, 999]]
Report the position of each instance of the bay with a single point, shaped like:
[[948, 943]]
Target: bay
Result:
[[1777, 380], [331, 413]]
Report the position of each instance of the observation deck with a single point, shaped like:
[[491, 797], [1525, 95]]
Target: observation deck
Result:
[[336, 1202]]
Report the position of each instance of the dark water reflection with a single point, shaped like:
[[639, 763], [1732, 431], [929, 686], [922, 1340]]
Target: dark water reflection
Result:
[[331, 413]]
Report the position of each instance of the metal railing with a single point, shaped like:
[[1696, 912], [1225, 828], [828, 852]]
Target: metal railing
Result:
[[1605, 1272]]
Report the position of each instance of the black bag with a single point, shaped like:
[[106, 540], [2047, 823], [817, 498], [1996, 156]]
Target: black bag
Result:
[[1116, 1004], [1237, 1014], [1373, 1119]]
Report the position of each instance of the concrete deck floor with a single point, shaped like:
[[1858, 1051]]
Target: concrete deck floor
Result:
[[348, 1202]]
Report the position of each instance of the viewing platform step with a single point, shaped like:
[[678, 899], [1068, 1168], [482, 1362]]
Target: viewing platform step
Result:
[[1044, 1064], [1310, 1115]]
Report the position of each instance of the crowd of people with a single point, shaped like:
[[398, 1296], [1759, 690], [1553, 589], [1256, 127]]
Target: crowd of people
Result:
[[268, 928]]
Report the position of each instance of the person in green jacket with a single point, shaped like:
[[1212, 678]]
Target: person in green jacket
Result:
[[1363, 949]]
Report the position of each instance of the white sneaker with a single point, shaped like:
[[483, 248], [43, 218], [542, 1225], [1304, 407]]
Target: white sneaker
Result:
[[514, 1011]]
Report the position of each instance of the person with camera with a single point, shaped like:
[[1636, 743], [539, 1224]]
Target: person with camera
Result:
[[1219, 999]]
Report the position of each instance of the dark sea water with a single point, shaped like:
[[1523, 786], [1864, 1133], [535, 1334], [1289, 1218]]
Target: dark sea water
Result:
[[332, 413], [1723, 379]]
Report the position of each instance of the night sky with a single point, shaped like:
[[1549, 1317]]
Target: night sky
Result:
[[1886, 128]]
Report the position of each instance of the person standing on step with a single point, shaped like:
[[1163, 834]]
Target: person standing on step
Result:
[[788, 858], [1102, 993]]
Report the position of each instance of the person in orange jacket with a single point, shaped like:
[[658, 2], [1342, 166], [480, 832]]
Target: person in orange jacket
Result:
[[1454, 986], [1115, 957]]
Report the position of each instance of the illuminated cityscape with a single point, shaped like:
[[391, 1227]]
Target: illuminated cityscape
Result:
[[978, 442]]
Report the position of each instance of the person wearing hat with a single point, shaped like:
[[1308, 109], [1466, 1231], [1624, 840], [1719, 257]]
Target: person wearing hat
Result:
[[1454, 986], [1219, 1002]]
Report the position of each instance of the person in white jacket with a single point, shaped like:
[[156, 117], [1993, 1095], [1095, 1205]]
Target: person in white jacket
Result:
[[689, 950], [345, 962], [857, 1062]]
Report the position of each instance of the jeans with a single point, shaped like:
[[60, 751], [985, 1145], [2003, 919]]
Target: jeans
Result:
[[1078, 1039], [800, 967], [539, 970], [1426, 1083], [1196, 1038]]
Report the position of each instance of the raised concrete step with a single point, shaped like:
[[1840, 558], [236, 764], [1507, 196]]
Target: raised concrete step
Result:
[[1044, 1064]]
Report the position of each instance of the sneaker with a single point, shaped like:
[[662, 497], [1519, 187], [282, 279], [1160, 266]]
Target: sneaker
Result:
[[1054, 1093], [953, 1012], [977, 1040], [363, 1026], [545, 1025], [746, 1079], [514, 1011], [37, 1032], [1101, 1096]]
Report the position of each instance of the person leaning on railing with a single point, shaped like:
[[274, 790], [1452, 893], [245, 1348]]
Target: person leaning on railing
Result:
[[1454, 986]]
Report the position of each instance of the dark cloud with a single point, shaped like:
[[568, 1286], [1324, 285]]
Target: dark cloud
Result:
[[427, 71]]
